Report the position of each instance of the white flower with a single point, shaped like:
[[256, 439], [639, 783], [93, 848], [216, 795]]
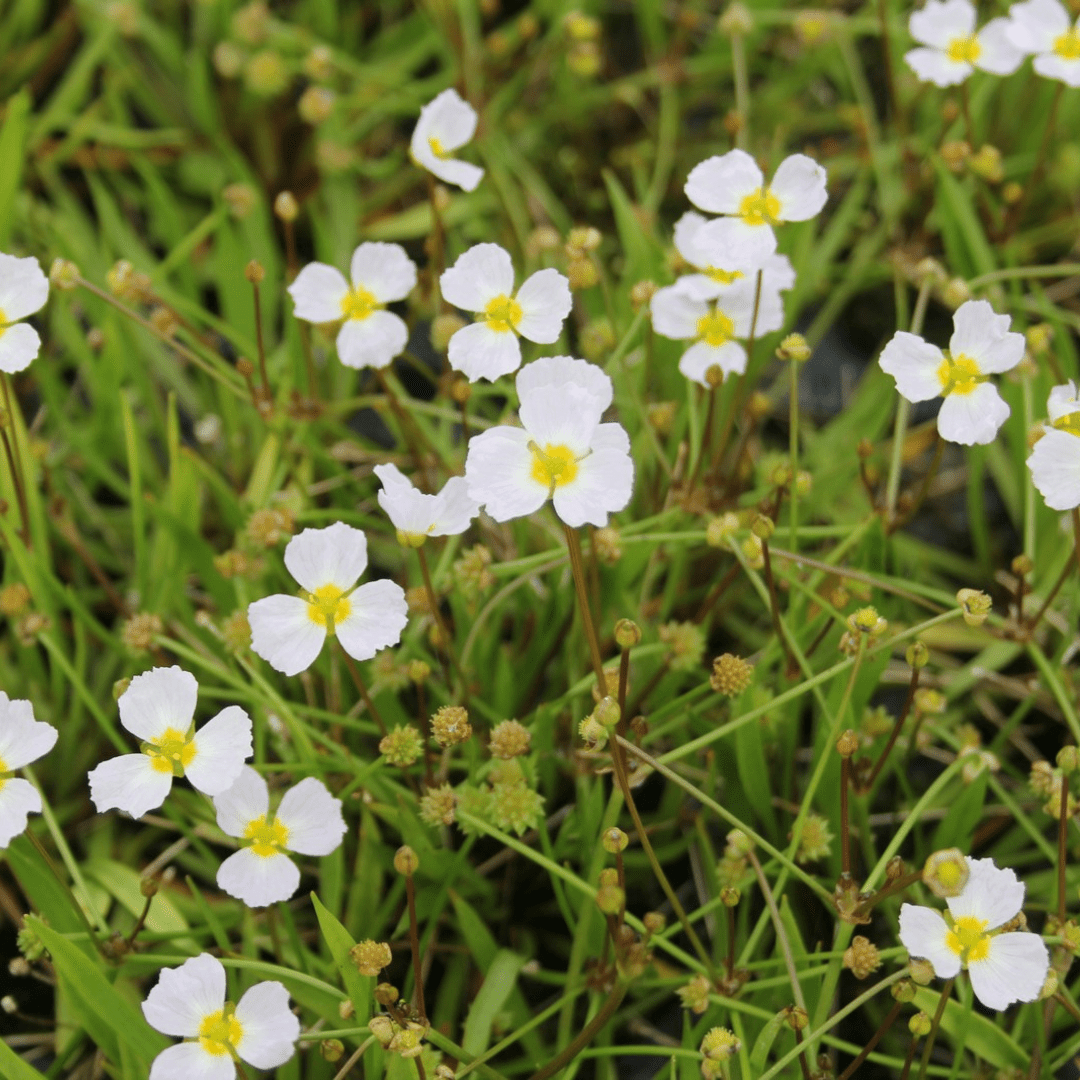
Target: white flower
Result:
[[189, 1002], [370, 336], [308, 821], [417, 516], [1004, 967], [953, 49], [158, 707], [777, 273], [288, 631], [1055, 460], [561, 452], [22, 740], [980, 346], [446, 124], [24, 288], [732, 184], [713, 325], [1043, 27], [482, 280]]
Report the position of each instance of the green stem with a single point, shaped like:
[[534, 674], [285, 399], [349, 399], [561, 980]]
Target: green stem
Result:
[[928, 1048], [586, 1035], [573, 544]]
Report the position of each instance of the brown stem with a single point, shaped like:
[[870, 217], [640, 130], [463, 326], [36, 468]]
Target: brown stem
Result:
[[706, 437], [585, 1036], [354, 671], [573, 544], [14, 455], [259, 341], [414, 946], [718, 590], [446, 652], [1063, 836], [1050, 596], [913, 685], [774, 608], [141, 922], [845, 829], [729, 962], [802, 1055], [928, 1049], [891, 889], [624, 682], [924, 488], [865, 1052]]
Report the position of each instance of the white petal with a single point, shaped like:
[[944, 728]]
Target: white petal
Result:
[[409, 510], [985, 337], [22, 738], [685, 238], [545, 302], [462, 173], [923, 932], [1036, 24], [719, 184], [697, 287], [480, 274], [378, 613], [18, 799], [939, 24], [676, 313], [729, 357], [604, 481], [221, 747], [456, 509], [258, 880], [318, 292], [19, 345], [1014, 970], [738, 300], [313, 817], [1055, 469], [992, 894], [997, 53], [336, 555], [1049, 66], [934, 66], [283, 635], [189, 1061], [384, 270], [157, 700], [129, 783], [972, 419], [731, 244], [247, 799], [392, 477], [1063, 399], [270, 1028], [563, 415], [372, 341], [556, 370], [185, 995], [799, 184], [448, 118], [914, 364], [24, 288], [498, 470], [479, 352]]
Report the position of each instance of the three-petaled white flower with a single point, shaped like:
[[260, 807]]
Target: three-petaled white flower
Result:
[[158, 707], [417, 516], [561, 452], [733, 185], [288, 631], [1043, 27], [370, 336], [482, 280], [1004, 967], [981, 345], [952, 49], [308, 821], [446, 124], [22, 740], [189, 1002], [713, 324], [24, 288], [1055, 460]]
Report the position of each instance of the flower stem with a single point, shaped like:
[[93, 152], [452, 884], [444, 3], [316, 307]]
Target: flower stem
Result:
[[414, 948], [913, 685], [446, 654], [573, 544], [354, 671], [865, 1052], [928, 1048], [845, 828], [1063, 849], [585, 1036], [793, 451]]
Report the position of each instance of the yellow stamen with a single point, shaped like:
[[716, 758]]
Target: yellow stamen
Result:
[[3, 322], [761, 208], [959, 375], [964, 50], [172, 753], [328, 606], [502, 314], [553, 466], [1067, 47], [968, 938], [437, 148], [358, 303], [4, 770], [715, 328], [722, 277], [1070, 422], [267, 838], [220, 1031]]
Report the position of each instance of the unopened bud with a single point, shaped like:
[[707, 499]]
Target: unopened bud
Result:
[[847, 744], [946, 872], [370, 957], [975, 605], [730, 896], [254, 272], [797, 1018], [285, 206], [627, 633], [614, 840], [607, 712], [904, 991], [918, 655], [406, 861], [763, 527], [919, 1025], [331, 1050], [794, 347], [736, 21], [64, 274], [1068, 759], [610, 899]]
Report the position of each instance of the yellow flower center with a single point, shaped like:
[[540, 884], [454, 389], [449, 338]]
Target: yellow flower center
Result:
[[1070, 422], [3, 322], [437, 148], [761, 208], [959, 375], [1067, 47], [968, 938], [715, 328], [220, 1031], [328, 606], [172, 753], [502, 314], [964, 50], [722, 277], [4, 770], [358, 303], [266, 838], [553, 466]]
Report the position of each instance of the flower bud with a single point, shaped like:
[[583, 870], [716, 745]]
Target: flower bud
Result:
[[903, 991], [797, 1018], [607, 712], [614, 840], [862, 958], [736, 20], [731, 675], [406, 861], [918, 655], [315, 105], [285, 206], [627, 633], [794, 347], [64, 274], [254, 272], [370, 957], [976, 606], [919, 1025], [763, 527], [1068, 760], [946, 872], [610, 899], [331, 1050], [847, 744], [720, 1044]]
